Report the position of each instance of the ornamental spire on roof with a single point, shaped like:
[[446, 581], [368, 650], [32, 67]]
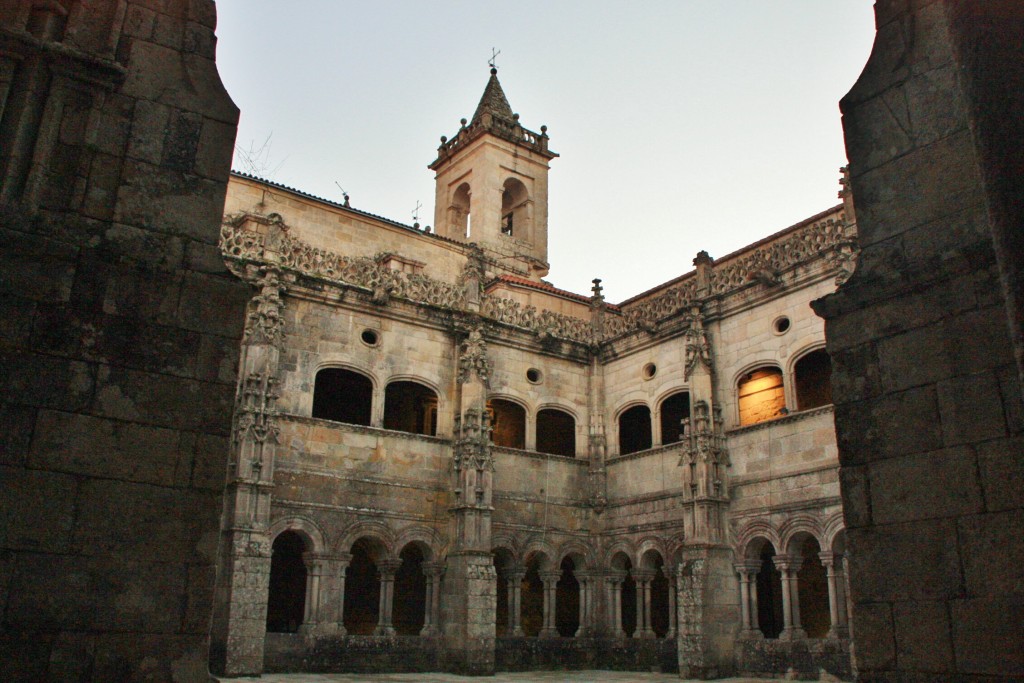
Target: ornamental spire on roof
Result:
[[493, 101]]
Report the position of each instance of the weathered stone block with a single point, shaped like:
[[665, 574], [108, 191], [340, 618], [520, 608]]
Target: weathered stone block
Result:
[[875, 644], [971, 409], [919, 429], [37, 511], [992, 557], [987, 637], [929, 567], [923, 637], [919, 486], [1001, 468]]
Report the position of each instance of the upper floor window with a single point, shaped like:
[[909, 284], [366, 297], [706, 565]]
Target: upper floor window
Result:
[[508, 423], [410, 407], [761, 395], [813, 376], [556, 432], [635, 430], [343, 396]]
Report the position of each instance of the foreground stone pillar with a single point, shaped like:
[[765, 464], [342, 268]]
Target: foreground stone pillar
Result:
[[672, 616], [836, 627], [748, 599], [926, 345]]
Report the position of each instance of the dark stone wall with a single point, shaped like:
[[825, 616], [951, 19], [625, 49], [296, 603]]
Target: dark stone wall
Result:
[[287, 652], [119, 331], [925, 342], [571, 654]]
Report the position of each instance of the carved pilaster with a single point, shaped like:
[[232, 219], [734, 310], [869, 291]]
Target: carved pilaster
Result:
[[241, 602]]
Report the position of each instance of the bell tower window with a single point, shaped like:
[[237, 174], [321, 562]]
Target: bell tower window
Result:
[[515, 209]]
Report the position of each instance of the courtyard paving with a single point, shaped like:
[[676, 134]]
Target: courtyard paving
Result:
[[501, 677]]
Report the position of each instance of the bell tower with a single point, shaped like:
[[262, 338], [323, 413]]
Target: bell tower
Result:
[[492, 185]]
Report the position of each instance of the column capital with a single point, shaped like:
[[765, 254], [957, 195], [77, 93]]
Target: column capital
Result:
[[433, 569], [787, 563], [616, 576], [551, 576], [827, 559], [644, 574], [387, 568], [748, 567]]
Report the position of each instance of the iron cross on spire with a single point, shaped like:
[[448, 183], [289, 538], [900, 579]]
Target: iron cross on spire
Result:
[[494, 57]]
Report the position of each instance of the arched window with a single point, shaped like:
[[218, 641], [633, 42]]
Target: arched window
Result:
[[769, 591], [342, 396], [635, 430], [532, 601], [556, 432], [812, 585], [508, 423], [567, 598], [761, 395], [813, 380], [458, 213], [515, 210], [673, 410], [410, 407], [362, 588], [659, 587], [504, 563], [286, 600], [410, 601]]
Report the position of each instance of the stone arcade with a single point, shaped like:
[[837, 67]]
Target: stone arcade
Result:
[[441, 461]]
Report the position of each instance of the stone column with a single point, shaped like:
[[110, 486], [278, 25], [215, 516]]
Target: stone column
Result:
[[433, 572], [672, 616], [550, 580], [515, 602], [585, 579], [615, 581], [836, 627], [336, 598], [386, 571], [748, 599], [643, 579], [788, 567], [315, 568]]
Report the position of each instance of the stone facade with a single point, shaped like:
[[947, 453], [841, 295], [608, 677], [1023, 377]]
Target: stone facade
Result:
[[492, 460], [119, 338]]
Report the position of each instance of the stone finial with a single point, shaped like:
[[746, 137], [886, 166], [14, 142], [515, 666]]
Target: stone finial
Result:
[[702, 258], [597, 289]]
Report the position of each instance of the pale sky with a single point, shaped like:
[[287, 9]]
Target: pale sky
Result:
[[682, 125]]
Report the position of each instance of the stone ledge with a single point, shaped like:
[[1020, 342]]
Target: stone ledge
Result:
[[784, 419]]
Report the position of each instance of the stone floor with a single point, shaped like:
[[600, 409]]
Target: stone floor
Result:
[[501, 677]]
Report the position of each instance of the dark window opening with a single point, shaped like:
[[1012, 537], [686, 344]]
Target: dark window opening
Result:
[[508, 423], [286, 600], [410, 407], [514, 209], [504, 564], [556, 432], [506, 224], [761, 396], [362, 590], [673, 410], [813, 380], [629, 607], [342, 396], [659, 599], [410, 599], [635, 430], [370, 337]]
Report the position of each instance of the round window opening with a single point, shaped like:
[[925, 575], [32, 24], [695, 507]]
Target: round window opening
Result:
[[534, 376], [650, 370], [781, 325], [370, 337]]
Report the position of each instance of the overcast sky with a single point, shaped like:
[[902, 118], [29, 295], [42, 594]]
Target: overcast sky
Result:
[[682, 125]]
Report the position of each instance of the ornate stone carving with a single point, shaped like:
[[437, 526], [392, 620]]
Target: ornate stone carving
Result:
[[703, 439], [697, 347], [255, 416], [264, 324], [473, 358], [472, 448]]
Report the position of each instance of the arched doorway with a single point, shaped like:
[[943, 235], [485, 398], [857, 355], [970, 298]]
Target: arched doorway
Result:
[[286, 598], [410, 600], [768, 587], [533, 595], [812, 586], [362, 588], [567, 598], [627, 608]]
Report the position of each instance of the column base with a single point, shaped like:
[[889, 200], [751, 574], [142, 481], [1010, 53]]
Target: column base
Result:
[[751, 634], [518, 632], [384, 631], [429, 632], [548, 633], [838, 632], [646, 635], [793, 634]]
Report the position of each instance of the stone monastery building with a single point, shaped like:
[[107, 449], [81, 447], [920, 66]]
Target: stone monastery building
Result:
[[441, 461]]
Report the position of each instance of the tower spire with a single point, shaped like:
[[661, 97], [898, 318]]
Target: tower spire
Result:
[[493, 101]]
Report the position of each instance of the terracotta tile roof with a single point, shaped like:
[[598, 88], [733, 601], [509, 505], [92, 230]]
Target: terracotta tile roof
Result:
[[539, 286]]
